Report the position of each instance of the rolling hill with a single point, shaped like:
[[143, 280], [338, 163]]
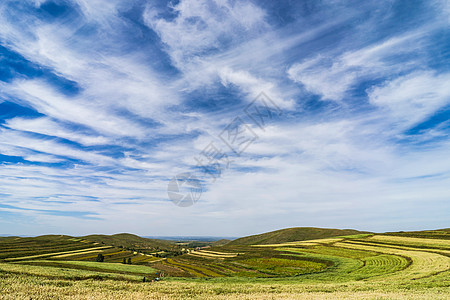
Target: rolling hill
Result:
[[292, 235], [131, 241], [356, 266]]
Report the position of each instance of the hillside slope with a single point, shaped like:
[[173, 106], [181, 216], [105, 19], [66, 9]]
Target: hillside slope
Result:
[[292, 235], [131, 241], [220, 242], [428, 234]]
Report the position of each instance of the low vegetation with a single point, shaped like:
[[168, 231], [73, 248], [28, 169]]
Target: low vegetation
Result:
[[350, 265]]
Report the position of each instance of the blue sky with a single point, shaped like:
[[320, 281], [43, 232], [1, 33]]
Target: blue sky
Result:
[[103, 102]]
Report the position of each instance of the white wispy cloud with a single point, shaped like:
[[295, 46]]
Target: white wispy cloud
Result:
[[332, 77], [43, 98], [202, 26], [253, 87], [46, 126], [412, 98], [136, 125], [48, 146]]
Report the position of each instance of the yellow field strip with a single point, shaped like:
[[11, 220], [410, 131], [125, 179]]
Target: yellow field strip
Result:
[[212, 254], [424, 263], [205, 256], [77, 253], [219, 253], [410, 241], [106, 254], [114, 253], [140, 257], [57, 253], [147, 260], [395, 246], [156, 260]]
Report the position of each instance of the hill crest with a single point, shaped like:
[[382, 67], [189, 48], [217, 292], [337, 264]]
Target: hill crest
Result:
[[128, 240], [292, 235]]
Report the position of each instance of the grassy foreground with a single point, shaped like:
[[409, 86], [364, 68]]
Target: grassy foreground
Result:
[[358, 266], [23, 286]]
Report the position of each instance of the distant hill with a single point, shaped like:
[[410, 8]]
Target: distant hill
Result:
[[191, 238], [220, 242], [428, 234], [292, 235], [131, 241]]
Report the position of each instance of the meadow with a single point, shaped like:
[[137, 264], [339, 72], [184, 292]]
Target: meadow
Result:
[[358, 266]]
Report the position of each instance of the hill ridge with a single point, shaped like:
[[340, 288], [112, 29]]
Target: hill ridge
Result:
[[293, 234]]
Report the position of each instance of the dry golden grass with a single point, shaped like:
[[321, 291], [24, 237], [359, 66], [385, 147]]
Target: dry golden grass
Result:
[[52, 272], [29, 287]]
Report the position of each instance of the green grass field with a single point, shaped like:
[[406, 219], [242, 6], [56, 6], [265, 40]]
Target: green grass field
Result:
[[359, 266]]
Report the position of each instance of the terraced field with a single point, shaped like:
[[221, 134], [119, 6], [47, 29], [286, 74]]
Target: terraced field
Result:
[[423, 263], [369, 265], [64, 248], [213, 254], [95, 266]]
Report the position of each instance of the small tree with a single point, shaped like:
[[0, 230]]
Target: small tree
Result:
[[100, 258], [124, 260], [129, 260]]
